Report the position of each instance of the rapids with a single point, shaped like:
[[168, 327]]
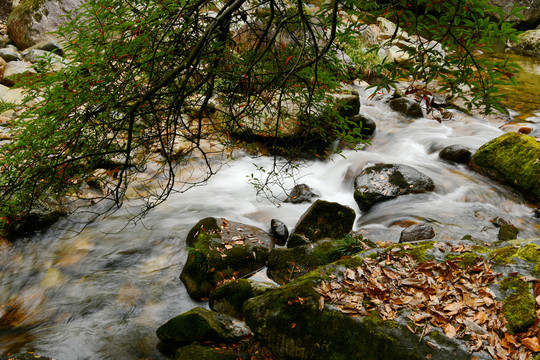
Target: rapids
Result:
[[101, 294]]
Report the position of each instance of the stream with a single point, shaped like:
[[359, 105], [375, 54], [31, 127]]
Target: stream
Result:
[[100, 293]]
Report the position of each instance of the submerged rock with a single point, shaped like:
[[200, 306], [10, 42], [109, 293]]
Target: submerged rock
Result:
[[322, 220], [513, 159], [387, 181], [199, 324], [222, 250]]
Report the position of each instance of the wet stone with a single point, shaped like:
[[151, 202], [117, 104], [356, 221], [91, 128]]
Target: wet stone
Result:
[[279, 231], [416, 232], [301, 193], [456, 153]]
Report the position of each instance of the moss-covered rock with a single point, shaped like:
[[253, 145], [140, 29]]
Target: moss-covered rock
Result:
[[32, 21], [24, 356], [407, 107], [294, 324], [222, 250], [199, 324], [527, 254], [322, 220], [512, 158], [229, 298], [198, 352], [285, 265], [519, 306]]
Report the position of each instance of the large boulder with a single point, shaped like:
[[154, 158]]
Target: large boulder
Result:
[[221, 250], [424, 300], [322, 220], [528, 43], [387, 181], [199, 324], [32, 20], [513, 159]]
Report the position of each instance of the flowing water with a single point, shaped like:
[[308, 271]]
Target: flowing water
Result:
[[101, 293]]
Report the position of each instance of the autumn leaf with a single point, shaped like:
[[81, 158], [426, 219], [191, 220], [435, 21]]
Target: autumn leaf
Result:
[[450, 330], [531, 343]]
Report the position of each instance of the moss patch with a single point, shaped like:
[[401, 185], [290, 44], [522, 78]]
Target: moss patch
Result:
[[417, 251], [529, 253], [464, 260], [519, 306], [198, 352], [513, 159]]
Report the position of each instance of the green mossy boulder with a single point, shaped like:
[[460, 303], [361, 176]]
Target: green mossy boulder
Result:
[[285, 265], [221, 250], [198, 352], [513, 159], [322, 220], [291, 322], [199, 324], [229, 298]]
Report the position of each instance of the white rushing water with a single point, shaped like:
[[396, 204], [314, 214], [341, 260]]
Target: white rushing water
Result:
[[101, 294]]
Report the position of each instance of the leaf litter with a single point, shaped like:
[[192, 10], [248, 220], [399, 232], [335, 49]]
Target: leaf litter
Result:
[[458, 301]]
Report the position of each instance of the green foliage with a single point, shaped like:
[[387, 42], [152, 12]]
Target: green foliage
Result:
[[350, 245], [171, 77], [5, 106], [465, 31]]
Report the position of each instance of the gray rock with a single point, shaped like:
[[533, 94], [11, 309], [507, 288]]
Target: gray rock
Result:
[[15, 71], [47, 61], [301, 193], [387, 181], [49, 45], [417, 232], [33, 22], [407, 107], [279, 231], [9, 54], [529, 43], [14, 96], [456, 153]]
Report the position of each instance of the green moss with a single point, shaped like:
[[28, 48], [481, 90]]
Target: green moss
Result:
[[198, 324], [529, 253], [464, 260], [513, 159], [519, 306], [416, 250], [198, 352], [230, 297]]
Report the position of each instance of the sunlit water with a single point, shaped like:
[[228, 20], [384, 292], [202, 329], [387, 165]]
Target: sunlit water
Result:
[[101, 294]]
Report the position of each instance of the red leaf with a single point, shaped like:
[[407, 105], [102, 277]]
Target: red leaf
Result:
[[287, 60]]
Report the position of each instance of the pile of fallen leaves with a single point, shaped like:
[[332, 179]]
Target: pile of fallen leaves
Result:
[[458, 301]]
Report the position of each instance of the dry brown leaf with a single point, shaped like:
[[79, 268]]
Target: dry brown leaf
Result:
[[450, 330], [321, 303], [531, 343]]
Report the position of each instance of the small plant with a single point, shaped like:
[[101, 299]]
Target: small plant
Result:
[[350, 245], [201, 258]]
